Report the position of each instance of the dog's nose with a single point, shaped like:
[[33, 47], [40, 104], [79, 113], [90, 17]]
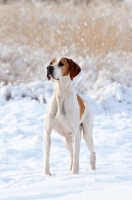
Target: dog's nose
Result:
[[50, 68]]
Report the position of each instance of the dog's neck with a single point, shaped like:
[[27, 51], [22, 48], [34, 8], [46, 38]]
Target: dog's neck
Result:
[[62, 90], [66, 80], [64, 84]]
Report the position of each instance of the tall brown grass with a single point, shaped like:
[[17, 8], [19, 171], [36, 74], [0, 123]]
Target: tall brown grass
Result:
[[37, 32]]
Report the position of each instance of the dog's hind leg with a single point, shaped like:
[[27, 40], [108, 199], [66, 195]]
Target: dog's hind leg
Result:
[[68, 145], [87, 135]]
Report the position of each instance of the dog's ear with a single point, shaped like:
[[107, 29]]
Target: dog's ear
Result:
[[74, 68]]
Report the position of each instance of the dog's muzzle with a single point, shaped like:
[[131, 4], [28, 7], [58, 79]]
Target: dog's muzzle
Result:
[[50, 70]]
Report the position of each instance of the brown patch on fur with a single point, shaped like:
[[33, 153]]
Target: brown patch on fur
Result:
[[52, 61], [81, 104], [65, 67], [74, 68]]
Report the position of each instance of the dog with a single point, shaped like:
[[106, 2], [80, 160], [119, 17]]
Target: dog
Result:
[[68, 114]]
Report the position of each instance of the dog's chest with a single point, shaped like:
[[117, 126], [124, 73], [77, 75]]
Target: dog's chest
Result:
[[67, 117], [66, 105]]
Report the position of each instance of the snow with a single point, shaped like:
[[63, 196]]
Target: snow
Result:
[[21, 144], [35, 90]]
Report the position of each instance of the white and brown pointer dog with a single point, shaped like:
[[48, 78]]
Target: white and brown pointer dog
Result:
[[68, 114]]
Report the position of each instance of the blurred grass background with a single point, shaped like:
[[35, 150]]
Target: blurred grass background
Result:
[[96, 34]]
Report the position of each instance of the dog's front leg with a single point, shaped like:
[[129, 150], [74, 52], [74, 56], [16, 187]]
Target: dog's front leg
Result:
[[47, 135], [76, 150]]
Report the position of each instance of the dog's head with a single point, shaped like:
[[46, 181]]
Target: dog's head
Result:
[[62, 67]]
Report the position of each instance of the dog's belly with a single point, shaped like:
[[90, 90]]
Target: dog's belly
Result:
[[62, 130]]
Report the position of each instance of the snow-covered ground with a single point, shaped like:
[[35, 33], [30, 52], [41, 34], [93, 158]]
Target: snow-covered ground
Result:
[[21, 145]]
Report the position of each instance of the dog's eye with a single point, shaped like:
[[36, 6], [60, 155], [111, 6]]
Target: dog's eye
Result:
[[61, 64]]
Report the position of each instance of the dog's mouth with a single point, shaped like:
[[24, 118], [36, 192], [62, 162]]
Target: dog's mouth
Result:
[[50, 70], [48, 75]]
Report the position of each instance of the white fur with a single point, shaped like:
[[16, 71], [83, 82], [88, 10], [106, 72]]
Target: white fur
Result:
[[63, 115], [57, 70]]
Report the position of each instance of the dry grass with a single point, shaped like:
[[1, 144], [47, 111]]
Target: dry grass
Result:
[[94, 31]]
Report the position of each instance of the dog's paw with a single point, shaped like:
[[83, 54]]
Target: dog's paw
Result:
[[93, 160], [47, 172], [93, 167], [75, 170]]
